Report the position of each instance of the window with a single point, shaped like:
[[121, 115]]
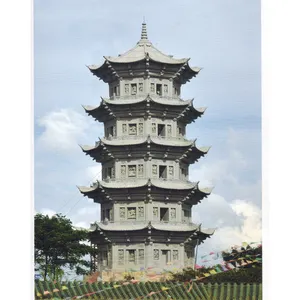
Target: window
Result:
[[133, 89], [161, 128], [162, 171], [159, 89], [110, 131], [132, 129], [164, 214], [165, 256], [115, 90], [132, 171], [131, 213], [131, 256]]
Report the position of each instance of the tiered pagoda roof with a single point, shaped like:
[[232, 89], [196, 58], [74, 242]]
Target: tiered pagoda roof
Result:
[[150, 105], [159, 148], [148, 232], [144, 54], [147, 190]]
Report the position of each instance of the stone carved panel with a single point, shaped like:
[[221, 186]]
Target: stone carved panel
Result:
[[141, 254], [121, 256], [124, 128], [175, 255], [165, 89], [114, 130], [155, 254], [132, 171], [153, 128], [112, 172], [141, 87], [122, 213], [155, 212], [152, 88], [132, 129], [169, 130], [173, 213], [171, 170], [131, 213], [126, 88], [123, 171], [141, 128], [140, 170], [131, 255], [141, 212], [154, 169]]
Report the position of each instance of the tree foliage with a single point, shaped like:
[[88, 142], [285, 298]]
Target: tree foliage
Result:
[[59, 245]]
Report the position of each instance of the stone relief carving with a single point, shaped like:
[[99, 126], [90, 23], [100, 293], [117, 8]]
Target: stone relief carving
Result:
[[112, 172], [173, 213], [141, 212], [123, 170], [131, 171], [141, 128], [153, 127], [171, 170], [175, 254], [132, 129], [141, 254], [131, 213], [121, 256], [155, 212], [152, 88], [140, 170], [165, 88], [127, 88], [114, 130], [131, 255], [169, 130], [156, 254], [154, 169], [124, 128], [122, 213], [141, 87]]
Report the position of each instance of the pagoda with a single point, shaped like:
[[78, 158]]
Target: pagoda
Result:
[[145, 194]]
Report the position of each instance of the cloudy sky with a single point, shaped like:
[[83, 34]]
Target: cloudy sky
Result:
[[221, 36]]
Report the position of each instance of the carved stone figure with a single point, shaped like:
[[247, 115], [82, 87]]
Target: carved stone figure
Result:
[[131, 213], [141, 212], [131, 257], [153, 127], [141, 128], [152, 88], [132, 171], [124, 128], [165, 88], [173, 213], [126, 88], [141, 254], [123, 170], [169, 130], [140, 170], [122, 213], [112, 172], [154, 169], [121, 256], [114, 130], [171, 170], [141, 87], [155, 212], [175, 254], [156, 254]]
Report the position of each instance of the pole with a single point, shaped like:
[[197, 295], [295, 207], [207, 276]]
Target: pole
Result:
[[196, 254]]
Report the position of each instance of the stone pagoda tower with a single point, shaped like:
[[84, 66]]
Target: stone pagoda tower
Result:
[[145, 196]]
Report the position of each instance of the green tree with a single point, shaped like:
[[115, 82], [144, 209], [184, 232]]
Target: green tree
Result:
[[59, 245]]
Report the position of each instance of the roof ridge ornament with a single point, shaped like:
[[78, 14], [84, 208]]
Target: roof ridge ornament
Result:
[[144, 35]]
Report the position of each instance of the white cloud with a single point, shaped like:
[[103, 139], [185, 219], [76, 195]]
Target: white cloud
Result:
[[62, 129], [47, 212]]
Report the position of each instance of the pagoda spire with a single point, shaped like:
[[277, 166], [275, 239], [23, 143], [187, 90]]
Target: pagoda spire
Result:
[[144, 36]]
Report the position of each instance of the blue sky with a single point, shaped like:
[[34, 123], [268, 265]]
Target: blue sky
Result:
[[222, 37]]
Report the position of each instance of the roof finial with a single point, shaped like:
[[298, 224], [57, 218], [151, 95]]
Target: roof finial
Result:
[[144, 31]]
